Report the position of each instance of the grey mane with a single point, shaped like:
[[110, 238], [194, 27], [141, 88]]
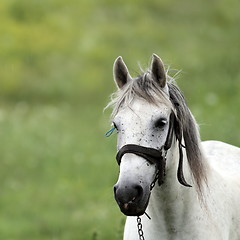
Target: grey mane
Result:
[[189, 130], [144, 87]]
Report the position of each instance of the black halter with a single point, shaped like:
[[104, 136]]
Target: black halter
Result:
[[156, 156]]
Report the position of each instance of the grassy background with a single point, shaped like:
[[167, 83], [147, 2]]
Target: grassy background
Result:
[[56, 56]]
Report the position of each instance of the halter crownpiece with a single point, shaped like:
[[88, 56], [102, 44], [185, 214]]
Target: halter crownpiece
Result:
[[158, 157]]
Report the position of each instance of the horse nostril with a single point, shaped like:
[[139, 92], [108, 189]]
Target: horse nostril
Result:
[[139, 191]]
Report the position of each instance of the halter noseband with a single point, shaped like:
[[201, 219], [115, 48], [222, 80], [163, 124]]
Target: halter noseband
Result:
[[156, 156]]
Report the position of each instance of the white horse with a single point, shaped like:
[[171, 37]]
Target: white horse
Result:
[[158, 140]]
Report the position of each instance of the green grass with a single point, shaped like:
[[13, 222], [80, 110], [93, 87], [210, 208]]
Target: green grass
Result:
[[57, 168], [57, 173]]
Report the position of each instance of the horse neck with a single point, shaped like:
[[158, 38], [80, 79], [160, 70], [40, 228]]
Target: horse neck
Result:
[[171, 196]]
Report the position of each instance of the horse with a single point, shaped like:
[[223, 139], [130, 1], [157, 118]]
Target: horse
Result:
[[171, 186]]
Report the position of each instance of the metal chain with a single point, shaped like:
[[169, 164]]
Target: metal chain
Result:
[[139, 221], [154, 181], [140, 231]]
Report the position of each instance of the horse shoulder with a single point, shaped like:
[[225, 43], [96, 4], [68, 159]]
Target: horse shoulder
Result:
[[222, 157], [224, 162]]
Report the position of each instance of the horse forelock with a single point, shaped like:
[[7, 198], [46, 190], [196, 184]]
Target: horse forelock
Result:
[[142, 87], [145, 88]]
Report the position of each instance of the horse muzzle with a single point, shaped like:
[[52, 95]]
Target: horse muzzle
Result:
[[131, 199]]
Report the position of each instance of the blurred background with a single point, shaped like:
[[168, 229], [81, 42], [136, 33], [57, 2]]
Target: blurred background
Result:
[[57, 168]]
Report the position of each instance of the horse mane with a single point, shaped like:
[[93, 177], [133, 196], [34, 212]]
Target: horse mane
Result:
[[190, 132], [144, 87]]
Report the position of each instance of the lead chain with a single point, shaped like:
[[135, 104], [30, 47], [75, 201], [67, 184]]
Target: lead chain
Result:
[[139, 222], [140, 231], [154, 181]]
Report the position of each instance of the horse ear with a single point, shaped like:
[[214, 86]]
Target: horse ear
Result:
[[120, 72], [158, 71]]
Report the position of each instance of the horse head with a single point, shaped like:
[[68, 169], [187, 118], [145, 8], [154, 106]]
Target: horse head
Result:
[[150, 116]]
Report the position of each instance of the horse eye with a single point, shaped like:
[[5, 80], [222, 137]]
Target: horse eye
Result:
[[160, 122]]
